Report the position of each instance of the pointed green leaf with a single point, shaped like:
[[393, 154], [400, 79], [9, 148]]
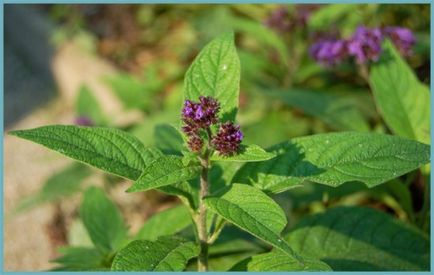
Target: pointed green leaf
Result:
[[356, 239], [103, 220], [335, 158], [80, 259], [168, 253], [402, 99], [278, 261], [111, 150], [168, 139], [165, 170], [253, 211], [167, 222], [246, 153], [216, 72]]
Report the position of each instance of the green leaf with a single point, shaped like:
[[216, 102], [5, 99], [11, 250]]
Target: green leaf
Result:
[[168, 139], [165, 170], [59, 186], [216, 72], [355, 238], [402, 99], [103, 220], [87, 106], [167, 222], [253, 211], [338, 111], [246, 153], [168, 253], [80, 259], [279, 261], [111, 150], [333, 159]]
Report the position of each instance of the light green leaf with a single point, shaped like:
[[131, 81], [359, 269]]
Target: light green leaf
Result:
[[338, 111], [253, 211], [167, 222], [356, 239], [59, 186], [165, 170], [333, 159], [278, 261], [103, 220], [246, 153], [87, 106], [168, 253], [111, 150], [403, 101], [216, 72]]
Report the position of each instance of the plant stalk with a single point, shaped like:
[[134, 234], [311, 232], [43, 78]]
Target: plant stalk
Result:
[[202, 260]]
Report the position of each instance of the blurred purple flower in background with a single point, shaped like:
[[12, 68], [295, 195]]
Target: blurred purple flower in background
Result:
[[329, 52], [279, 20], [402, 38], [228, 139], [84, 121], [365, 44]]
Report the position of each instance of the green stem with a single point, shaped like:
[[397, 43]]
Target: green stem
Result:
[[216, 232], [202, 260]]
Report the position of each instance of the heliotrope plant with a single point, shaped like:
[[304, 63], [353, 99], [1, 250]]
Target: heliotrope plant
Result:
[[366, 239]]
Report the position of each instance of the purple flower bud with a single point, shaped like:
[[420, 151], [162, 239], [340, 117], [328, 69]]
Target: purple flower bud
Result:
[[199, 115], [365, 44], [403, 39], [329, 52], [195, 143], [84, 121], [227, 139]]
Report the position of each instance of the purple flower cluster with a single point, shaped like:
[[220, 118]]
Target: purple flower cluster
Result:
[[197, 116], [282, 21], [228, 138], [84, 121], [364, 45]]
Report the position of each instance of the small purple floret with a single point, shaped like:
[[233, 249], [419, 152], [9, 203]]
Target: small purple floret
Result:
[[402, 38], [227, 139], [329, 52], [365, 44]]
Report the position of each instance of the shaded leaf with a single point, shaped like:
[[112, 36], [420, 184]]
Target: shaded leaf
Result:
[[333, 159], [80, 259], [168, 253], [87, 106], [356, 238], [168, 139], [111, 150]]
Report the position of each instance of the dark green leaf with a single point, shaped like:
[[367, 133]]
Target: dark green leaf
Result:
[[168, 139], [356, 239], [216, 72], [334, 159], [87, 106], [80, 259], [253, 211], [165, 170], [168, 253], [111, 150]]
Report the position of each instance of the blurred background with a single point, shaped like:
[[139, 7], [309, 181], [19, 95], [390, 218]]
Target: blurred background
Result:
[[123, 65]]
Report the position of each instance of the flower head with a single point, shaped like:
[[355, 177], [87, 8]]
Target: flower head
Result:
[[227, 139], [365, 44], [195, 143], [329, 52], [402, 38], [199, 115]]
